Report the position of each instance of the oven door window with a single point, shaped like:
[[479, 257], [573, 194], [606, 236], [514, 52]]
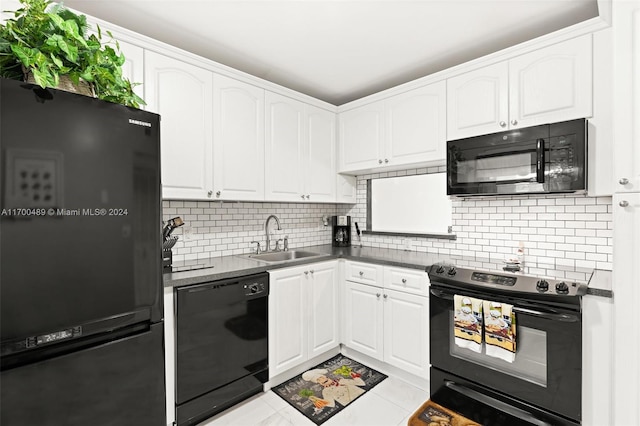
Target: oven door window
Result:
[[530, 364]]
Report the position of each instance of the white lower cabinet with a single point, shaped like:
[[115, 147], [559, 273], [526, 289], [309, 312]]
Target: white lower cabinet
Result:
[[303, 314], [363, 329], [389, 325]]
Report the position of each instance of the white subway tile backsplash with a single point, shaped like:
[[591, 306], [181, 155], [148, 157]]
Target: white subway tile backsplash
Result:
[[562, 230], [565, 230]]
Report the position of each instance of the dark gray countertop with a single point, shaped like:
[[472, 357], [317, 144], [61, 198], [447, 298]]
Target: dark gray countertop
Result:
[[238, 265]]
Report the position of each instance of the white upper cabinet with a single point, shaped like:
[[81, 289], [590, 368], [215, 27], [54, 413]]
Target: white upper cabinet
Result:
[[402, 130], [300, 151], [284, 148], [320, 155], [548, 85], [415, 125], [478, 102], [133, 67], [362, 137], [238, 140], [551, 84], [182, 94]]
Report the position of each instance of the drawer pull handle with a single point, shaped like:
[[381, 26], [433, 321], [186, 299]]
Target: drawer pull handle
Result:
[[385, 296], [404, 281], [361, 273], [378, 295]]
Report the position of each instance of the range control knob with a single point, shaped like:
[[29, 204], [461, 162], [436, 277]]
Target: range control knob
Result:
[[451, 271], [440, 270], [542, 286], [562, 288], [254, 288]]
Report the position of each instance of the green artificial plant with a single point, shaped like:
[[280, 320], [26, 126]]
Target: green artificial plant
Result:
[[50, 41]]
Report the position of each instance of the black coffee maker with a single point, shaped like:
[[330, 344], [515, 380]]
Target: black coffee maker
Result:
[[341, 233]]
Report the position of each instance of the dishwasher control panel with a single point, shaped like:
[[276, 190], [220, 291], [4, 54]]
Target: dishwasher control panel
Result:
[[254, 288]]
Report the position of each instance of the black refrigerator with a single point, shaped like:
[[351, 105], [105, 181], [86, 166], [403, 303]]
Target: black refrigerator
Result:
[[80, 261]]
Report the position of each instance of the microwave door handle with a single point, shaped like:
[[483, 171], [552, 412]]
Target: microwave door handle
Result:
[[540, 160]]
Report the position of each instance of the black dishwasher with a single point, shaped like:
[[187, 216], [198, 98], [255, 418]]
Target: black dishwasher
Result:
[[221, 345]]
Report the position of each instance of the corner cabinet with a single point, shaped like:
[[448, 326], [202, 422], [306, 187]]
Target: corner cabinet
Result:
[[402, 130], [303, 314], [548, 85], [300, 151], [387, 315], [183, 95], [238, 140]]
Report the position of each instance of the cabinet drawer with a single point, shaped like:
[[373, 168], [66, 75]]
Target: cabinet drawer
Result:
[[407, 280], [364, 273]]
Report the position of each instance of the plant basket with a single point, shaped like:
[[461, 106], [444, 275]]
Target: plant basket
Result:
[[65, 83]]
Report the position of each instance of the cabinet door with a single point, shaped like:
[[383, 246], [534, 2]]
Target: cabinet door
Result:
[[626, 83], [287, 319], [478, 102], [323, 311], [406, 332], [346, 189], [363, 319], [238, 140], [416, 125], [320, 155], [626, 276], [133, 67], [361, 137], [284, 148], [182, 94], [551, 84]]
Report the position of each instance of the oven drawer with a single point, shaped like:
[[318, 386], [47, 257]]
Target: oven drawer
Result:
[[364, 273], [406, 280]]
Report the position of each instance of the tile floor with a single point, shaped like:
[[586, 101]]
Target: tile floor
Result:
[[391, 403]]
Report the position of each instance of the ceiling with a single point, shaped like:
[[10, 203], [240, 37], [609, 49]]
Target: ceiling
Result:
[[339, 51]]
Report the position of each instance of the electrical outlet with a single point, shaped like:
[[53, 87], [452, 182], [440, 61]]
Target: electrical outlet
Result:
[[187, 232]]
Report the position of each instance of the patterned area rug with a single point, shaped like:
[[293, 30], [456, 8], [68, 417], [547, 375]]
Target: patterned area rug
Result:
[[323, 391]]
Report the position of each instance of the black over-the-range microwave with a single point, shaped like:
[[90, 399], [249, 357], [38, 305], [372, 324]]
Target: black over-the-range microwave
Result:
[[550, 158]]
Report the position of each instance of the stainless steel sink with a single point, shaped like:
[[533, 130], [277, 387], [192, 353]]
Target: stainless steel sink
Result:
[[283, 256]]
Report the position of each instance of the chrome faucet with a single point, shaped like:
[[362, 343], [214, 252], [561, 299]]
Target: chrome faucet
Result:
[[266, 230]]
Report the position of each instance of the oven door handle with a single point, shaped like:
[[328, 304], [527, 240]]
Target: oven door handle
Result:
[[492, 402], [553, 315], [441, 294], [547, 313]]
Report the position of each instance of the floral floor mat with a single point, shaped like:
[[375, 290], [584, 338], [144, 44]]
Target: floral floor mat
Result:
[[323, 391]]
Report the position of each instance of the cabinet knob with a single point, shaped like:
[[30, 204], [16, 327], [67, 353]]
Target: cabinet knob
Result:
[[379, 161], [311, 271], [623, 181], [385, 296], [306, 272], [624, 203], [218, 194], [361, 273], [503, 124], [378, 295], [514, 122], [308, 196], [209, 193], [404, 281], [302, 196], [386, 160]]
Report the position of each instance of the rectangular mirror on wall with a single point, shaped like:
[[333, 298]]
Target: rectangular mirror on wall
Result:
[[415, 205]]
